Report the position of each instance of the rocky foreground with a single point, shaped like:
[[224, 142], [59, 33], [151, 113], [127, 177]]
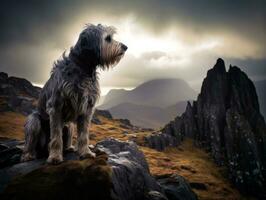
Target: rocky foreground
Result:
[[226, 121], [119, 171]]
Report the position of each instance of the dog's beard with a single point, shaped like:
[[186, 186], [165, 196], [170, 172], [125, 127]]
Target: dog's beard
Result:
[[111, 55]]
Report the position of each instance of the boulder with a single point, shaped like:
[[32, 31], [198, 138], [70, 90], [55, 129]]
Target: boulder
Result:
[[104, 113], [119, 172], [176, 187], [160, 141]]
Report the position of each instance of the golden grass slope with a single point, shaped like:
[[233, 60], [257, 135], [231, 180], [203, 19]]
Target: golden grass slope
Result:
[[192, 163]]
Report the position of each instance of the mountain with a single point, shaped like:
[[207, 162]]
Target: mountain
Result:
[[227, 122], [147, 116], [176, 109], [139, 115], [261, 90], [151, 104], [158, 93]]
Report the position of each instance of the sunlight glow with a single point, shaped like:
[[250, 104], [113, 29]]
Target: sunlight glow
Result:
[[177, 52]]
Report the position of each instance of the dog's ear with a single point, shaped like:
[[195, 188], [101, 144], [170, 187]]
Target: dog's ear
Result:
[[88, 47]]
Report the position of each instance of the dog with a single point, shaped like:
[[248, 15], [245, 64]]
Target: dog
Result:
[[70, 95]]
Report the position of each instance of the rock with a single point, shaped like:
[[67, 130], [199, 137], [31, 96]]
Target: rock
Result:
[[3, 77], [18, 94], [7, 90], [125, 132], [226, 121], [24, 105], [119, 172], [176, 187], [96, 120], [198, 186], [104, 113], [244, 159], [160, 141], [88, 179], [18, 86], [125, 122], [154, 195], [10, 152], [23, 86], [131, 175]]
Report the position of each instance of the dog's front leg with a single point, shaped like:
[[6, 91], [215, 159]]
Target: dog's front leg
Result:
[[68, 132], [83, 137], [56, 139]]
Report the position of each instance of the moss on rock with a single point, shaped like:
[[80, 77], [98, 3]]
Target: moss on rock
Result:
[[86, 179]]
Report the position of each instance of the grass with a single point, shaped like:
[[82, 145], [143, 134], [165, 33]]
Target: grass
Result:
[[12, 125], [194, 164], [112, 128]]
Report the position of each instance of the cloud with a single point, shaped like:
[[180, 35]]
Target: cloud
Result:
[[168, 38]]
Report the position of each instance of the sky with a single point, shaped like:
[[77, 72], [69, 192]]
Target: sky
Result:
[[165, 38]]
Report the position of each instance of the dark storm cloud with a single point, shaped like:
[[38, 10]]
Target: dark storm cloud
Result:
[[32, 29], [33, 20]]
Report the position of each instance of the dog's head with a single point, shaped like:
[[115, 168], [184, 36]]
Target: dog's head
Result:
[[97, 47]]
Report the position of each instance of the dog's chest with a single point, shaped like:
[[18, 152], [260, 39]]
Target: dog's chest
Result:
[[80, 97]]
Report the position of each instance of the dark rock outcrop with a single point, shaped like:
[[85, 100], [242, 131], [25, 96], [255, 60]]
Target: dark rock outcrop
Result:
[[130, 171], [104, 113], [226, 121], [176, 187], [160, 141], [119, 172], [18, 86], [18, 94]]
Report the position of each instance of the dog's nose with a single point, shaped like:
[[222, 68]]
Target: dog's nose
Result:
[[124, 47]]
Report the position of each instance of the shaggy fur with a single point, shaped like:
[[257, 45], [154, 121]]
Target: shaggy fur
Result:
[[69, 96]]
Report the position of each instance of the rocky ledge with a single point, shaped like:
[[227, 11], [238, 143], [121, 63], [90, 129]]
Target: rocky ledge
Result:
[[119, 172]]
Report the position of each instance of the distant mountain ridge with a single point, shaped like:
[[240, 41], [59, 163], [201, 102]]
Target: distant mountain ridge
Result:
[[151, 104], [147, 116], [159, 93]]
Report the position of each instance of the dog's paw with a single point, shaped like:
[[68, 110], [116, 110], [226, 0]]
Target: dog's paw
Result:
[[27, 157], [87, 154], [55, 160]]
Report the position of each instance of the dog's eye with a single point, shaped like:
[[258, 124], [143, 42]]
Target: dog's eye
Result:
[[108, 38]]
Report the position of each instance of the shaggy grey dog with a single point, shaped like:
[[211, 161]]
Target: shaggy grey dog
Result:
[[69, 96]]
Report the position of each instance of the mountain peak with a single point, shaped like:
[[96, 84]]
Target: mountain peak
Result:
[[220, 66]]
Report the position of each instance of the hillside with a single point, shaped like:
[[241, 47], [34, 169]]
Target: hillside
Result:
[[151, 104], [148, 116], [158, 93], [139, 115], [196, 166]]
